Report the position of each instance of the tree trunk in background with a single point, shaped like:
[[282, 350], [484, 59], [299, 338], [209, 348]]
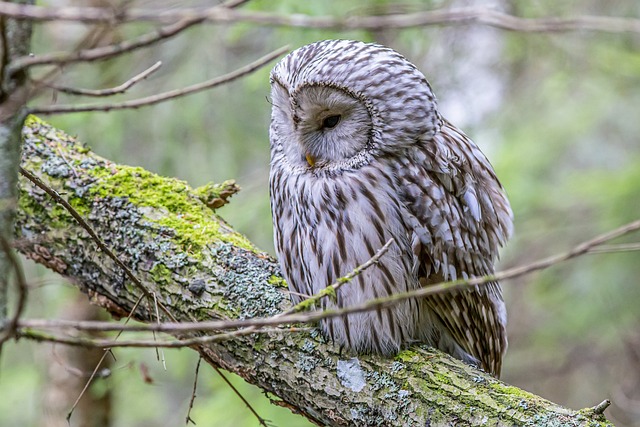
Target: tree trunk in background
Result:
[[67, 371], [9, 162], [16, 37]]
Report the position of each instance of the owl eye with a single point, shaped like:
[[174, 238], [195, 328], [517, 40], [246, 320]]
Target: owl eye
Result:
[[331, 121]]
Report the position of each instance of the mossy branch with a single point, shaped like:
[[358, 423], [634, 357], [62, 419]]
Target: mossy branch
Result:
[[201, 269]]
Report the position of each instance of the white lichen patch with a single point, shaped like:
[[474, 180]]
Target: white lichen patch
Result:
[[350, 374]]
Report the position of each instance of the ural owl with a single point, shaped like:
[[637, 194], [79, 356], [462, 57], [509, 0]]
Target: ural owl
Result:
[[360, 155]]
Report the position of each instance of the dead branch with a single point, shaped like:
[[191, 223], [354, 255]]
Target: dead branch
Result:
[[166, 96], [102, 52], [193, 393], [107, 92], [94, 373], [221, 14]]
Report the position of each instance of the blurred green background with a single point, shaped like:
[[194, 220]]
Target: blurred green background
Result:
[[558, 114]]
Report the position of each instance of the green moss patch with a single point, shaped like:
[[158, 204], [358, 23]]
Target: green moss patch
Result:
[[167, 202]]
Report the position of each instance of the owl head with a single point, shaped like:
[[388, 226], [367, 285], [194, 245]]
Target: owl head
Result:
[[338, 101]]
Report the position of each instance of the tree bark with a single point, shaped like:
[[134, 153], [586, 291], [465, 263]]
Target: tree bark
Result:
[[16, 41], [200, 269]]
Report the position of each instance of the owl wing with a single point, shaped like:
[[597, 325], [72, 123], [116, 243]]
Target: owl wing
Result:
[[459, 216]]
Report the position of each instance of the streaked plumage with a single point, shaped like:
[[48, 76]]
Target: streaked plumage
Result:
[[360, 155]]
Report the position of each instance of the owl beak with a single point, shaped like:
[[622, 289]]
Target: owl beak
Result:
[[310, 159]]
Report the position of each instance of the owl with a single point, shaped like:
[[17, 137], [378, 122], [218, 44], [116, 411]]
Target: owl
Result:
[[360, 155]]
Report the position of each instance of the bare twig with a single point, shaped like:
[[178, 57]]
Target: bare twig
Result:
[[234, 3], [111, 91], [155, 99], [104, 355], [621, 247], [263, 422], [103, 52], [331, 289], [9, 328], [159, 351], [578, 250], [39, 336], [221, 14], [193, 393], [90, 40], [86, 386]]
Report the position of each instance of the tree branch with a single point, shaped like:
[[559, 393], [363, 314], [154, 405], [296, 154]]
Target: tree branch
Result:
[[201, 269], [110, 91], [221, 14], [110, 51], [162, 97], [102, 52]]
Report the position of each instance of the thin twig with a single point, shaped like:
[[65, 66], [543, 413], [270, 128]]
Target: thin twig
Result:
[[250, 324], [159, 351], [111, 91], [193, 393], [221, 14], [89, 41], [331, 289], [106, 52], [155, 99], [64, 159], [104, 355], [10, 327], [86, 386], [263, 422], [313, 316], [621, 247], [84, 224], [103, 52], [234, 3], [134, 343]]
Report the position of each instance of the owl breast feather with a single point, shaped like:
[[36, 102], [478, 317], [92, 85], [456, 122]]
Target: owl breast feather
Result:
[[326, 226]]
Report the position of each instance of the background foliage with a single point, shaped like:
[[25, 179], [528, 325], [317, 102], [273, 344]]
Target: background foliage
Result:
[[557, 114]]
